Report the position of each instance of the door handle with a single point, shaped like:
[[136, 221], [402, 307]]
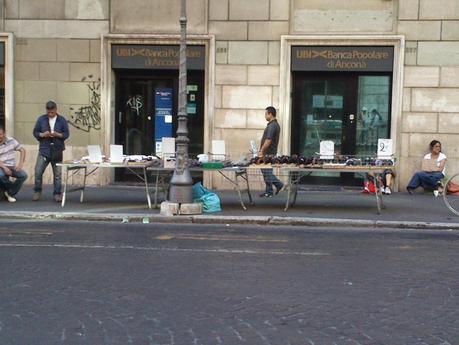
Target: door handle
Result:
[[120, 115], [351, 118]]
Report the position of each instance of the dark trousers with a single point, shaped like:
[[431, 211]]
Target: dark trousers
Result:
[[270, 180], [40, 167], [428, 180], [12, 187]]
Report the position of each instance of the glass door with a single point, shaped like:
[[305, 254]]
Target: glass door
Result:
[[135, 120], [321, 108], [136, 111], [146, 108], [352, 110], [373, 120]]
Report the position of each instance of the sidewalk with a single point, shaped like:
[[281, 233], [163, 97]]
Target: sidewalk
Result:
[[313, 208]]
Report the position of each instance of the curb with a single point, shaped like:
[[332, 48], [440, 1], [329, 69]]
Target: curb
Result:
[[212, 219]]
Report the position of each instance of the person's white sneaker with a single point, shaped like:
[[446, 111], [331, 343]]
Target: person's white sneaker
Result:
[[387, 191], [382, 190], [436, 193], [9, 197]]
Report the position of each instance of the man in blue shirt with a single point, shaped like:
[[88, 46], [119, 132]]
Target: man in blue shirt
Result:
[[51, 130]]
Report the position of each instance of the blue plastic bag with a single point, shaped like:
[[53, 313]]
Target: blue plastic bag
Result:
[[210, 200], [198, 191]]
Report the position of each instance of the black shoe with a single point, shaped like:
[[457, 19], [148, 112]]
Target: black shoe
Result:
[[278, 189], [409, 190], [266, 195]]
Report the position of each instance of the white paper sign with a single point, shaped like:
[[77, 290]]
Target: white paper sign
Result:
[[116, 154], [385, 148], [95, 153], [168, 146], [168, 118], [327, 149], [168, 151], [218, 150]]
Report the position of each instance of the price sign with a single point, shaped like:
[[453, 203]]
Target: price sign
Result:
[[385, 148], [327, 149]]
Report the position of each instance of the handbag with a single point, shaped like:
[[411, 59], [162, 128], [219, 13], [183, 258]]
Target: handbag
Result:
[[453, 188], [56, 154]]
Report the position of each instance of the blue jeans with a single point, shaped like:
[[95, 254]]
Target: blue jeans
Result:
[[12, 187], [40, 167], [270, 180], [428, 180]]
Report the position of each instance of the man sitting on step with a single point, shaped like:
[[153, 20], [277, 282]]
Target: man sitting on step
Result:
[[8, 168]]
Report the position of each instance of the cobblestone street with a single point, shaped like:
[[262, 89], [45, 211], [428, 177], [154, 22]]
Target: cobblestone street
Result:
[[83, 283]]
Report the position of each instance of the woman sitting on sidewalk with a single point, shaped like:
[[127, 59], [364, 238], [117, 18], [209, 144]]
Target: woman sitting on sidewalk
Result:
[[430, 179]]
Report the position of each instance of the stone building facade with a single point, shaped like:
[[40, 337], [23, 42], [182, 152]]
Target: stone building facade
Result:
[[67, 51]]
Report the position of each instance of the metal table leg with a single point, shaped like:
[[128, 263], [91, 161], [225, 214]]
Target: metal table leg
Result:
[[378, 194], [81, 189], [146, 186], [240, 197], [243, 174], [292, 186], [296, 181], [289, 191], [84, 184], [156, 189], [74, 170], [64, 194], [235, 183]]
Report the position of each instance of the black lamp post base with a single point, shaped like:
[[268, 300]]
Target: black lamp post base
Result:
[[181, 194]]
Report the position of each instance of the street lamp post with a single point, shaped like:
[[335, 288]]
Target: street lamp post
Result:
[[181, 182]]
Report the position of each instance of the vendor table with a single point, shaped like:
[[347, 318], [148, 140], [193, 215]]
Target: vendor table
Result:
[[240, 173], [231, 174], [295, 173], [75, 167]]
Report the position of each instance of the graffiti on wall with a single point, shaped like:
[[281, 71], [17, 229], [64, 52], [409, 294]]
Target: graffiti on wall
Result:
[[88, 116], [135, 103]]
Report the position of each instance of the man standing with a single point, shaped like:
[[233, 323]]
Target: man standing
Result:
[[8, 168], [51, 130], [268, 148]]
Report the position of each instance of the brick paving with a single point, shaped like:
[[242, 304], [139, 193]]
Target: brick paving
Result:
[[85, 283]]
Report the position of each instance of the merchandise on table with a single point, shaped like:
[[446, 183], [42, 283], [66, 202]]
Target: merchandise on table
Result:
[[317, 162]]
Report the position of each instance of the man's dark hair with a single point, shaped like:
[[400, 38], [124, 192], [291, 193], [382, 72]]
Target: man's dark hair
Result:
[[271, 110], [51, 105], [2, 128]]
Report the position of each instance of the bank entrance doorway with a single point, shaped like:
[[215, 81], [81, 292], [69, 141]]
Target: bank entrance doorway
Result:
[[350, 108], [146, 97]]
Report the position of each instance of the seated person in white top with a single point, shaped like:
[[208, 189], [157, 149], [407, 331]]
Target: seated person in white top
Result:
[[430, 179]]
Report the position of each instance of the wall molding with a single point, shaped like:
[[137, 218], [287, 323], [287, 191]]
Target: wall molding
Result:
[[8, 39]]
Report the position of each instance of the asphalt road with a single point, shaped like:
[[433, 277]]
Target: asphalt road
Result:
[[105, 283]]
